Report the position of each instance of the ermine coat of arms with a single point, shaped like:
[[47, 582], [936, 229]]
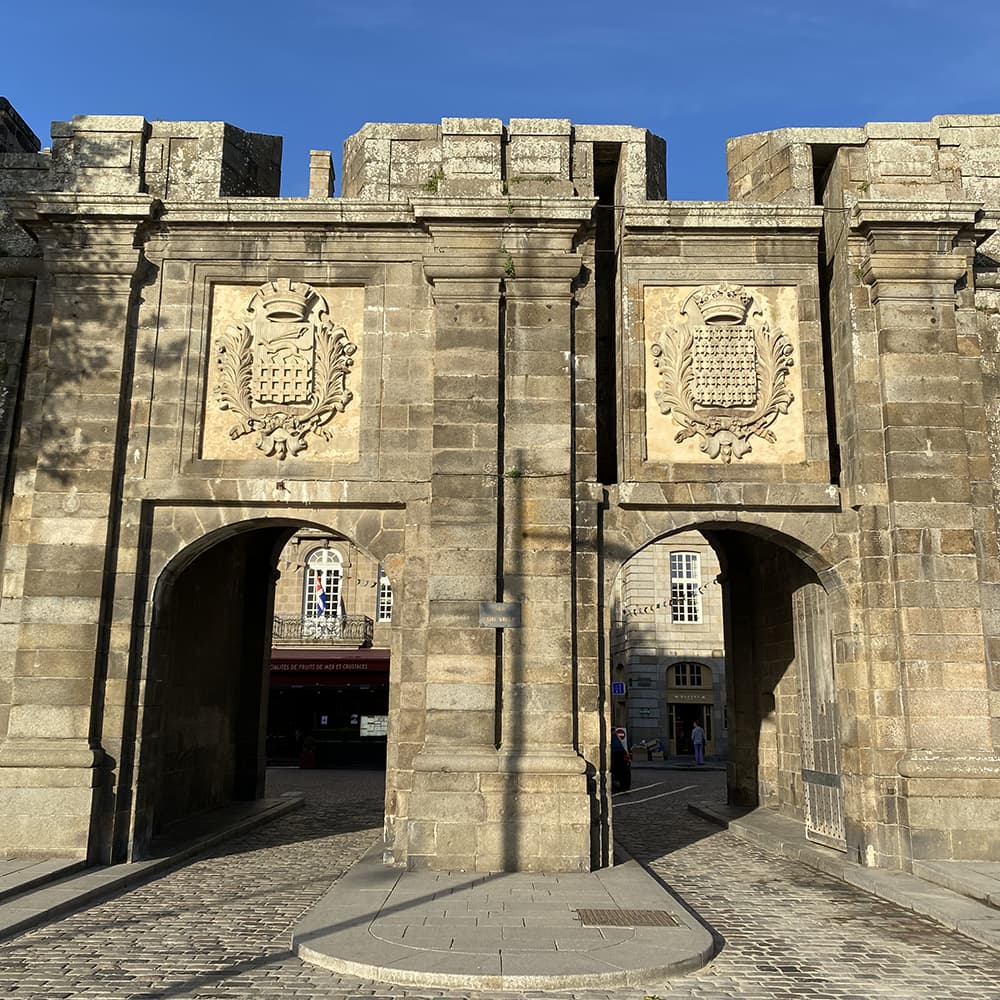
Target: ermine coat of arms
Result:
[[283, 371], [723, 371]]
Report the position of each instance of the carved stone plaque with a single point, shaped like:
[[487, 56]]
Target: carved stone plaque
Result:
[[284, 368], [723, 382]]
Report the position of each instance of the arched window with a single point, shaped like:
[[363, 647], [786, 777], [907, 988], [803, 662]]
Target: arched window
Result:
[[685, 587], [324, 575]]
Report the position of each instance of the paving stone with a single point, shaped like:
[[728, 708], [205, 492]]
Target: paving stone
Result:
[[218, 928]]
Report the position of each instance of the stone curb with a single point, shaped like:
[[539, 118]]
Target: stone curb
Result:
[[61, 894]]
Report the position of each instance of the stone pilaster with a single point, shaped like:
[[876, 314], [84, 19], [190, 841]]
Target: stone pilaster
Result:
[[499, 784], [915, 255], [540, 768], [64, 516], [448, 808]]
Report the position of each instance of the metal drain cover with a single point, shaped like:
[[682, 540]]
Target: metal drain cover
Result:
[[626, 918]]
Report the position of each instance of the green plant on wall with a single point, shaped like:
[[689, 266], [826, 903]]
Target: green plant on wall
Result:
[[433, 182]]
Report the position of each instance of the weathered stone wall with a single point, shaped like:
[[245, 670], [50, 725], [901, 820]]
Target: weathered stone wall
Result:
[[500, 394], [904, 214]]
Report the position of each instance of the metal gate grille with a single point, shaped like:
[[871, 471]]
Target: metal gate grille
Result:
[[818, 715]]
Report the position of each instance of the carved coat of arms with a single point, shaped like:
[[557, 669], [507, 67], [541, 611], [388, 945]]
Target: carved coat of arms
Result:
[[283, 370], [723, 371]]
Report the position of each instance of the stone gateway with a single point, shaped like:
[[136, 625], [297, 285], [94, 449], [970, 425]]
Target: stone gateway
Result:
[[500, 365]]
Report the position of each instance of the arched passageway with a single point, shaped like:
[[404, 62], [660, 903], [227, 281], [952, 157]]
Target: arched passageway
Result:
[[731, 630], [205, 706], [215, 657]]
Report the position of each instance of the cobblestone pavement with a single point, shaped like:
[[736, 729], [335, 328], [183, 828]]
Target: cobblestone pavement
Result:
[[218, 928]]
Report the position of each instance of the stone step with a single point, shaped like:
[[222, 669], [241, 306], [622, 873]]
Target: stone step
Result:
[[979, 880], [20, 875]]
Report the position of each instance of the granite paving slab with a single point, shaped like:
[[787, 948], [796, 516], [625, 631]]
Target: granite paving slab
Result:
[[505, 931]]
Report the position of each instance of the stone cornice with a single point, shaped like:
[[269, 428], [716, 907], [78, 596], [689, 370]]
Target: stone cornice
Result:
[[40, 752], [868, 214], [286, 212], [350, 211], [34, 210], [483, 266], [470, 211], [541, 270], [913, 265], [743, 495], [511, 266], [918, 241], [724, 215], [94, 237], [530, 238]]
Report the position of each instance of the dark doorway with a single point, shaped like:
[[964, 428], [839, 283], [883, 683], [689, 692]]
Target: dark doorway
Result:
[[684, 718]]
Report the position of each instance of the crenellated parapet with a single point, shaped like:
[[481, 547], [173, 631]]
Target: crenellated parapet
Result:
[[483, 157]]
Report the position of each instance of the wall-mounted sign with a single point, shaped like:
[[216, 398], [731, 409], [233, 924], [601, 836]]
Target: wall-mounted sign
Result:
[[499, 614], [617, 687], [374, 725]]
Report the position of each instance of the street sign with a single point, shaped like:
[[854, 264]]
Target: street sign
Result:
[[617, 687]]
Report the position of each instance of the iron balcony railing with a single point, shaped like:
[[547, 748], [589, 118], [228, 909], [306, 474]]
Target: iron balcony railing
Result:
[[334, 630]]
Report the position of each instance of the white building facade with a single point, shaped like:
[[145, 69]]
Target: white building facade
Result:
[[668, 648]]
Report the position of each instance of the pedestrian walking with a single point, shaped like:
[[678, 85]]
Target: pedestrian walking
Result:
[[698, 741]]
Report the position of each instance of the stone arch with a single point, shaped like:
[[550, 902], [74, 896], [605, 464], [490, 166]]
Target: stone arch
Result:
[[818, 539], [179, 534], [185, 541], [823, 553]]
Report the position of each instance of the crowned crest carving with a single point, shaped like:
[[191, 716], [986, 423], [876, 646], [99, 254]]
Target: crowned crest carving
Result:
[[283, 370], [723, 371]]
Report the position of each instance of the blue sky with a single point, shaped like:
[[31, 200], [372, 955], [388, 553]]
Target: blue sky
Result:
[[314, 71]]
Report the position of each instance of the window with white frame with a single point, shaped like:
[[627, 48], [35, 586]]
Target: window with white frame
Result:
[[384, 611], [685, 587], [324, 577]]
